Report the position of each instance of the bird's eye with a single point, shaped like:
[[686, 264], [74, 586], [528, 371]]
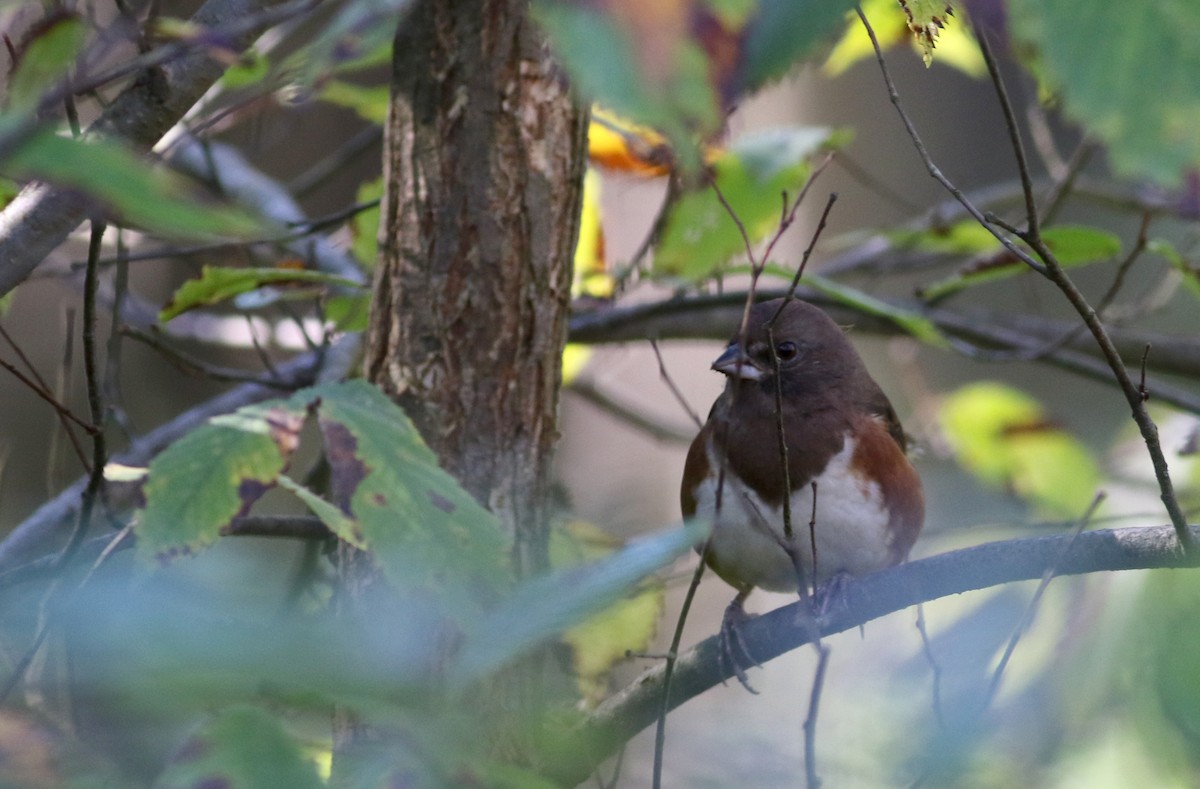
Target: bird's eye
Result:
[[786, 350]]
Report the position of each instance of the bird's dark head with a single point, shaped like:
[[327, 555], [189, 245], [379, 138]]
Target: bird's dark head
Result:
[[800, 341]]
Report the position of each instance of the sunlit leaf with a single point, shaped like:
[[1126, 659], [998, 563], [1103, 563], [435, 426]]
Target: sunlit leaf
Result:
[[242, 747], [217, 284], [1003, 437], [544, 607], [250, 69], [966, 237], [200, 483], [956, 46], [701, 236], [1128, 79], [926, 20], [911, 321], [602, 641], [45, 61], [616, 144], [591, 275], [1072, 245], [143, 195], [370, 102]]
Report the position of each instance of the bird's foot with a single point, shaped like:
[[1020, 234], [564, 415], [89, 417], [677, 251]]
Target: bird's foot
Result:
[[831, 595], [733, 652]]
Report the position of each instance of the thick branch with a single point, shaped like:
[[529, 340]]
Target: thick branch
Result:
[[714, 317], [874, 596], [43, 215]]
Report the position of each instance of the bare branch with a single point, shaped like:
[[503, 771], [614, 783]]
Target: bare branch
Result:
[[42, 532], [867, 598], [43, 215]]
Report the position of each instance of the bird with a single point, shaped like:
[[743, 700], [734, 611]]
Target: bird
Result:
[[792, 371]]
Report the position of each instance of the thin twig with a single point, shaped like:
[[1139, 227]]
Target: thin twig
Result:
[[48, 397], [666, 377], [192, 366], [1054, 271], [811, 779], [1031, 608], [631, 416], [935, 668], [660, 731], [1033, 221], [791, 292], [930, 166]]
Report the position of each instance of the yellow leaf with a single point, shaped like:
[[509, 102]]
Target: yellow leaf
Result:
[[601, 642], [956, 45], [1003, 437]]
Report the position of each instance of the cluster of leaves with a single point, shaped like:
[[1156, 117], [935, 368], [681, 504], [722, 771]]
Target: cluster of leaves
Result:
[[182, 655], [237, 686]]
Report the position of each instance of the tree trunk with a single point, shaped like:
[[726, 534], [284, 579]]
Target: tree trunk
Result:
[[484, 159], [484, 156]]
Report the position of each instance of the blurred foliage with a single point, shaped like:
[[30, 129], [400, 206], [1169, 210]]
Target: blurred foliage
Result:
[[600, 643], [1003, 436], [225, 668], [216, 285], [1136, 90], [955, 44], [752, 176], [1072, 245]]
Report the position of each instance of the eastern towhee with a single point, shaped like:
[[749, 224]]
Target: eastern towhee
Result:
[[844, 445]]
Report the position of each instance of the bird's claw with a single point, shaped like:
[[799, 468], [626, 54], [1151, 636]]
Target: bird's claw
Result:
[[733, 653], [831, 595]]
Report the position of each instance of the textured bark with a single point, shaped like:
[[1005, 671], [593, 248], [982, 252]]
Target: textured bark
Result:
[[484, 157]]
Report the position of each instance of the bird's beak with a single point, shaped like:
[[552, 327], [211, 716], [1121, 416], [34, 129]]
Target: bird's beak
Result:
[[736, 363]]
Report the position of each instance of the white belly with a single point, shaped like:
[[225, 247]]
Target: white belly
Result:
[[850, 528]]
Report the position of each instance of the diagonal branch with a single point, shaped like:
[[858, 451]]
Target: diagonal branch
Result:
[[868, 598], [43, 215]]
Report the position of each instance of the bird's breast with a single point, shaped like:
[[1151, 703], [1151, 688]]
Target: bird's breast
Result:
[[849, 526]]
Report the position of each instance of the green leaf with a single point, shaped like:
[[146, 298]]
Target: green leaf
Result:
[[242, 747], [700, 235], [155, 199], [783, 32], [250, 69], [422, 528], [349, 312], [1072, 245], [359, 35], [1003, 437], [603, 640], [364, 225], [217, 284], [966, 237], [911, 321], [370, 102], [1076, 245], [44, 62], [1127, 73], [199, 484], [544, 607], [663, 83], [1189, 271], [337, 521]]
